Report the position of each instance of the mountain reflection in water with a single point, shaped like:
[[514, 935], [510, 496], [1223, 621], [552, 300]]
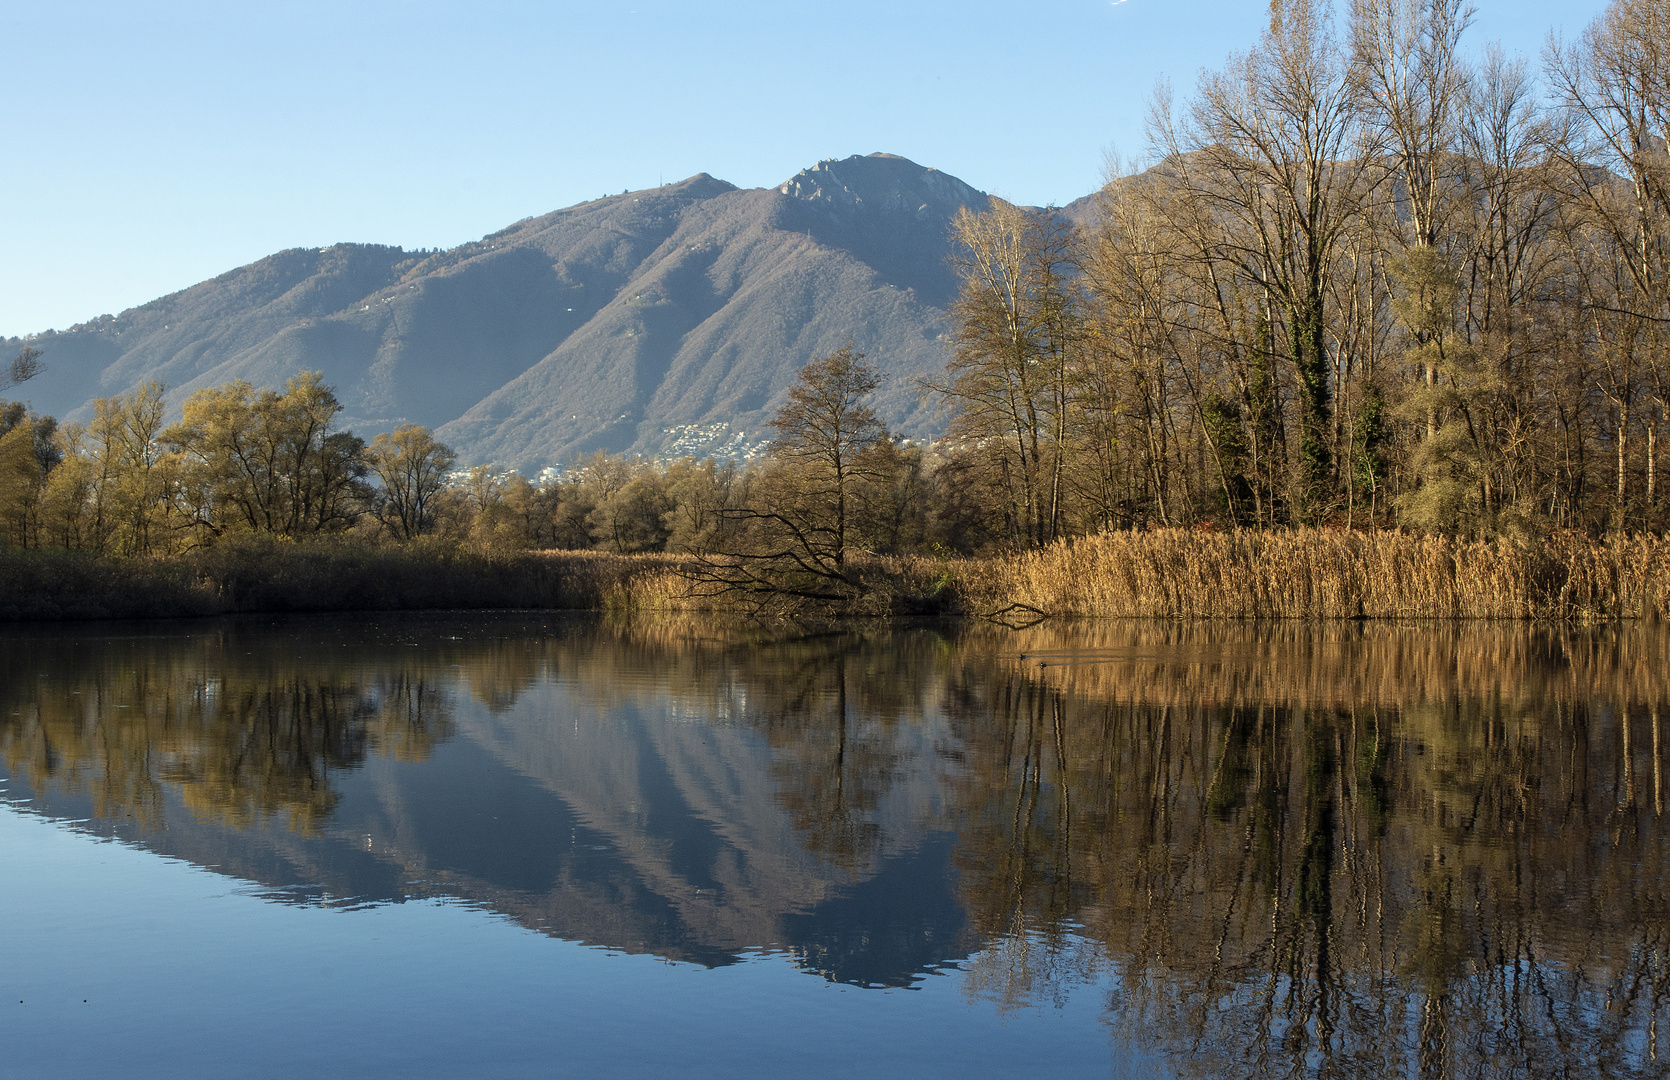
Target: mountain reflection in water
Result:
[[1354, 848]]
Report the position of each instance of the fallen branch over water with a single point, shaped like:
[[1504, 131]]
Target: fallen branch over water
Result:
[[1016, 616]]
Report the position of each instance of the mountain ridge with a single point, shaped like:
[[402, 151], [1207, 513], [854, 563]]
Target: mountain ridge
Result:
[[667, 320]]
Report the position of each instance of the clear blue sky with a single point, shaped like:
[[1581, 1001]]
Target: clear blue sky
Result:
[[150, 145]]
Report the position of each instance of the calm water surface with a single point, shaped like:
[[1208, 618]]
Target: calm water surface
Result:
[[542, 846]]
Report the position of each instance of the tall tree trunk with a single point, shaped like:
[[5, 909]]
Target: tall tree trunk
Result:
[[1652, 469]]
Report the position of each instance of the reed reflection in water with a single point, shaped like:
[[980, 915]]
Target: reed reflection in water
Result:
[[1351, 849]]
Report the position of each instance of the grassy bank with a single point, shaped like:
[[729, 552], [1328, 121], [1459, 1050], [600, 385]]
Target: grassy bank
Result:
[[272, 576], [1299, 574]]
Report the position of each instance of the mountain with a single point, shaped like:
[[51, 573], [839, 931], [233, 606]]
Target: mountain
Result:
[[665, 321]]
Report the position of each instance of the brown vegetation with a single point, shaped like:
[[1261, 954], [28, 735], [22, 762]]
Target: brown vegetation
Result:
[[1290, 574], [1162, 573], [266, 575], [1366, 281], [1325, 574]]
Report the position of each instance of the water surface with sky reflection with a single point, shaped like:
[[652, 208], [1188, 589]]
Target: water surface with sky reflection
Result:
[[524, 845]]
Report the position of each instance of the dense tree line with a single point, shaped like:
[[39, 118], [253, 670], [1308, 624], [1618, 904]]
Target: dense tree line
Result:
[[244, 461], [1369, 281]]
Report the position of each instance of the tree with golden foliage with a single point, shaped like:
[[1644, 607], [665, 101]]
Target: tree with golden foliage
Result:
[[261, 461], [412, 465]]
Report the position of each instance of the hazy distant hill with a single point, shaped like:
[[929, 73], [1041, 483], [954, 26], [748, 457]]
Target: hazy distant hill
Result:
[[662, 321]]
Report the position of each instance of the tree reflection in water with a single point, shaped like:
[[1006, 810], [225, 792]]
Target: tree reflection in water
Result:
[[246, 737], [1292, 877], [1281, 850]]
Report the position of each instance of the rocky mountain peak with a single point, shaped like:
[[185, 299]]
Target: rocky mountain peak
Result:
[[880, 182]]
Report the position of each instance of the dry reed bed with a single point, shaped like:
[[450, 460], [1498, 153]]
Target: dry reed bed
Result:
[[1173, 573], [1326, 574]]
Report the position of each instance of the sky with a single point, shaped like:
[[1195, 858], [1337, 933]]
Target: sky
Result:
[[151, 145]]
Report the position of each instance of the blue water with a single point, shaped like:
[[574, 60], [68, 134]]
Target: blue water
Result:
[[526, 845], [120, 962]]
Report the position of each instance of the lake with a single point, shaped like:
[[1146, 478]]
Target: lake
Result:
[[541, 845]]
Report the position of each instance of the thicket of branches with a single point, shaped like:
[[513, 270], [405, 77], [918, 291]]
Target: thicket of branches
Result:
[[1370, 281]]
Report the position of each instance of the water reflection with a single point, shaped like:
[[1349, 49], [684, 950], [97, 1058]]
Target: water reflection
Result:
[[245, 728], [1351, 849]]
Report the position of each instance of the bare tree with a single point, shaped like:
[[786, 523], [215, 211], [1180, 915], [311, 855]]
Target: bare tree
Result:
[[823, 432], [412, 466], [1280, 149], [1014, 324], [1615, 84], [792, 535], [1407, 53], [25, 366]]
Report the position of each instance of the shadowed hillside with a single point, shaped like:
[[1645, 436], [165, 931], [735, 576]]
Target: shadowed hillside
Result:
[[670, 320]]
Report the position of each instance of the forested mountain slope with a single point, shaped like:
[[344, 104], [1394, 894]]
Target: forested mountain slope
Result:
[[668, 320]]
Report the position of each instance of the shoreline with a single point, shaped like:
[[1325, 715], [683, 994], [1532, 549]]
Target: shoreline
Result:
[[1299, 574]]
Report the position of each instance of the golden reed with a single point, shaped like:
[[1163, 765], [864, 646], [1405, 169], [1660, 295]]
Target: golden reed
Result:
[[1328, 574]]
